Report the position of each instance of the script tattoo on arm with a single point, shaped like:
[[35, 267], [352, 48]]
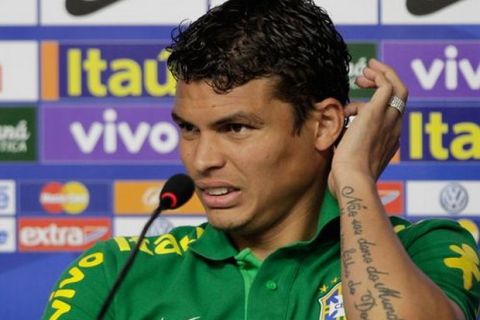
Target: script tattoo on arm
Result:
[[383, 293]]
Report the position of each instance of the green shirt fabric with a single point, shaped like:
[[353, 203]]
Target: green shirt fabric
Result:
[[195, 273]]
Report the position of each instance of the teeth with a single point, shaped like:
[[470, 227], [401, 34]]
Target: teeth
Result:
[[217, 191]]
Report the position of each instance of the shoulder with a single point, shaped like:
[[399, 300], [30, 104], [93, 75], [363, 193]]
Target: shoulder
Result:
[[447, 253], [82, 287], [443, 230]]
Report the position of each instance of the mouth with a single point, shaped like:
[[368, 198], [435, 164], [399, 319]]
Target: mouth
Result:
[[220, 197]]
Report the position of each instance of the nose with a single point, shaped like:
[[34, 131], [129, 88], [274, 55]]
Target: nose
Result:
[[207, 154]]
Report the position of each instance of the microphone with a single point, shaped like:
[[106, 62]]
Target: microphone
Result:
[[175, 193]]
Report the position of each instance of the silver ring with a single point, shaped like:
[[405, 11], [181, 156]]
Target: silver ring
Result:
[[397, 103]]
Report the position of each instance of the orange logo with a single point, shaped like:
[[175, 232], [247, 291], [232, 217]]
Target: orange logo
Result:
[[142, 197], [391, 194]]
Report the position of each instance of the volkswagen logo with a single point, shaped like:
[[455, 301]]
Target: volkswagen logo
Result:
[[454, 198]]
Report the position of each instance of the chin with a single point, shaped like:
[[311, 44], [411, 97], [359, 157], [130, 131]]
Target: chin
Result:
[[225, 224]]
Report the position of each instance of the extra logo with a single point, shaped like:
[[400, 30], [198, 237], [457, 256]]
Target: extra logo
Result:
[[68, 234], [454, 198], [7, 197], [71, 197], [331, 304], [91, 134], [425, 7], [114, 70], [441, 134], [437, 69]]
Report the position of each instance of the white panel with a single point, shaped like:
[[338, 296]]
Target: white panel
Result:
[[132, 226], [18, 12], [348, 12], [18, 70], [445, 198], [7, 235], [124, 12], [461, 12], [7, 197], [344, 12]]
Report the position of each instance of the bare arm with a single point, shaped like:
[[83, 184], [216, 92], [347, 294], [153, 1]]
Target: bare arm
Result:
[[379, 279]]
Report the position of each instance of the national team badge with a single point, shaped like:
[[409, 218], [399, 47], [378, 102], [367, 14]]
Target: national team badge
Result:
[[331, 304]]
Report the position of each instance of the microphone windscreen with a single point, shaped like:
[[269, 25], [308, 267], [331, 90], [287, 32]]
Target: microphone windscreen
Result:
[[176, 191]]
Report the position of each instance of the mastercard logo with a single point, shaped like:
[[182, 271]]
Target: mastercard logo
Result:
[[71, 197]]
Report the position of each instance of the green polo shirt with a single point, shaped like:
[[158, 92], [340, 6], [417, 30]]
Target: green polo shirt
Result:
[[196, 273]]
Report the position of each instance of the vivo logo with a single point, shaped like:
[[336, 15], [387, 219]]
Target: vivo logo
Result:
[[437, 69], [129, 133], [451, 67], [162, 136]]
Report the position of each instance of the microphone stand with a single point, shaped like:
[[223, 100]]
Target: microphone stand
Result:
[[123, 273]]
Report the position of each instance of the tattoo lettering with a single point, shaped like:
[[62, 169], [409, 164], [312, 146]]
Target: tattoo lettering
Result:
[[385, 294], [374, 274], [365, 250], [347, 259], [352, 286], [357, 227], [367, 302], [354, 204]]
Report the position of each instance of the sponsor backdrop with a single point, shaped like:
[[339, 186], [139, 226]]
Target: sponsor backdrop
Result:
[[86, 139]]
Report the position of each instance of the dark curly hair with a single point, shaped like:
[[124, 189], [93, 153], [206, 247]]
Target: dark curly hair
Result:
[[291, 40]]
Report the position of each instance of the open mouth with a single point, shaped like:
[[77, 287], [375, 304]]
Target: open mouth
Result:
[[218, 191], [220, 197]]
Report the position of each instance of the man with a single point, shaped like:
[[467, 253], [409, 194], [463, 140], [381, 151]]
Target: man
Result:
[[296, 228]]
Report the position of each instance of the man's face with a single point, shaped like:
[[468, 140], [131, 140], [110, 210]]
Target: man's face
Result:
[[252, 171]]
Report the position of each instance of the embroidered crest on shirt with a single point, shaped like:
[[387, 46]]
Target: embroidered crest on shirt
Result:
[[467, 262], [331, 304]]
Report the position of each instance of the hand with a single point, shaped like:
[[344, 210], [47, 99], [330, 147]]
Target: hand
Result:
[[373, 137]]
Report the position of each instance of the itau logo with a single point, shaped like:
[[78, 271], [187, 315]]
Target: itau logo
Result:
[[425, 7]]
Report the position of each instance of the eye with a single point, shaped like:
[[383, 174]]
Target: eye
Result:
[[236, 127], [186, 126], [187, 130]]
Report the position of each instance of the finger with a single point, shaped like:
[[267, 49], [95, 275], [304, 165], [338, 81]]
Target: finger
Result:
[[352, 108], [384, 90], [382, 97], [364, 82], [399, 89]]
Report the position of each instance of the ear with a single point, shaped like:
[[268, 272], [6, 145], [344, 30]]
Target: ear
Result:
[[329, 118]]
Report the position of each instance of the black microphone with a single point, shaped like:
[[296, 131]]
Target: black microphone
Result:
[[175, 193]]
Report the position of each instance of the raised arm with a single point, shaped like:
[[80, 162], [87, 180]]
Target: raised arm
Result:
[[379, 278]]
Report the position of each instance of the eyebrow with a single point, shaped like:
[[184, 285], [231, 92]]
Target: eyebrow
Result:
[[251, 118]]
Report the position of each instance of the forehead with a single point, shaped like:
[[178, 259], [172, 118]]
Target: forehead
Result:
[[200, 94]]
